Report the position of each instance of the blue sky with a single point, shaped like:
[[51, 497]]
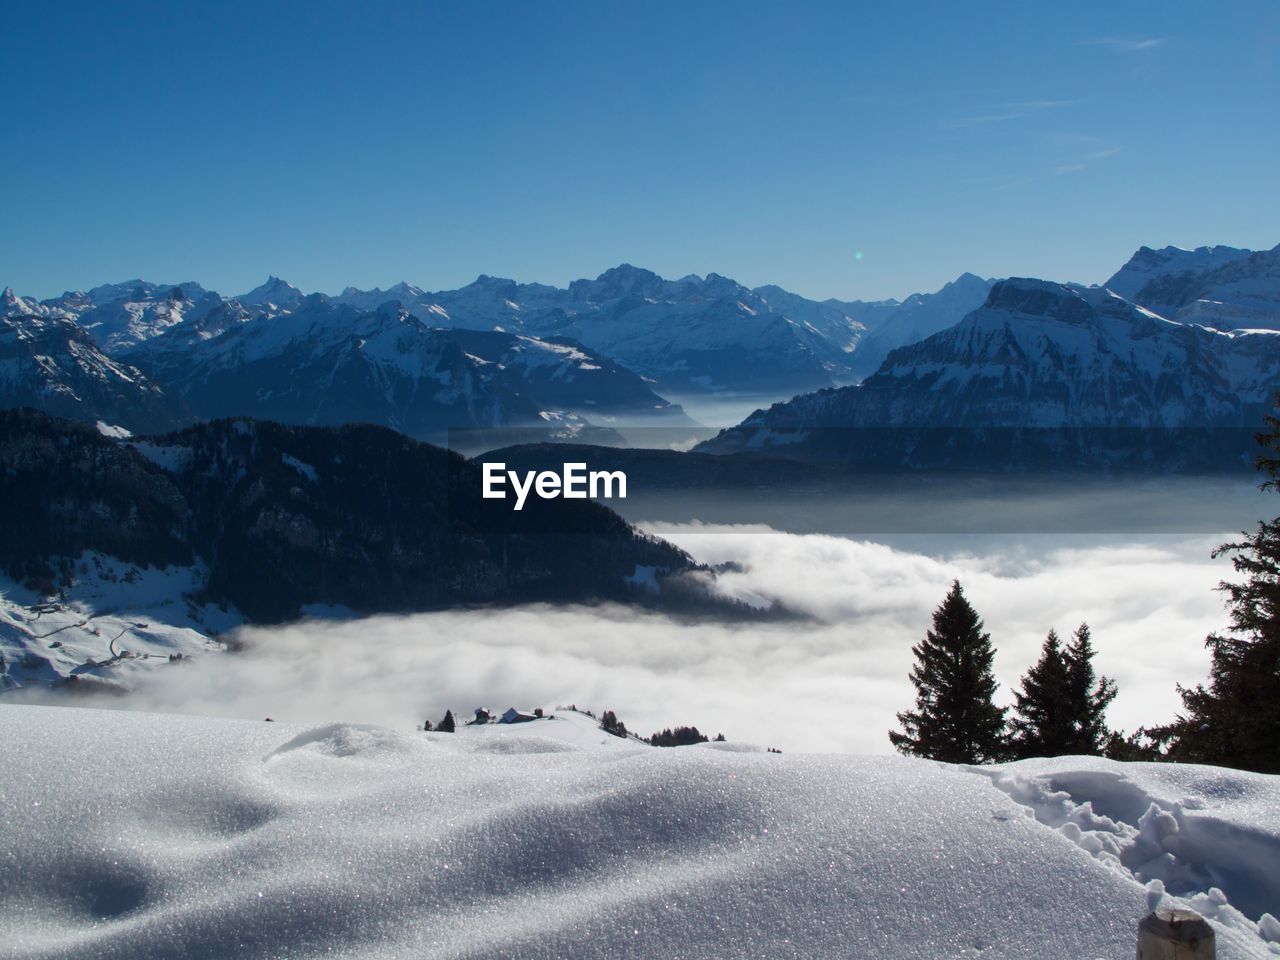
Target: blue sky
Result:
[[338, 143]]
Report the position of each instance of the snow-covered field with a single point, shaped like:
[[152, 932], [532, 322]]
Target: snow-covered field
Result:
[[137, 835], [144, 835], [116, 624]]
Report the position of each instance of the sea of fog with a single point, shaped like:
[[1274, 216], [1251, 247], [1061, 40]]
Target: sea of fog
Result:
[[829, 679]]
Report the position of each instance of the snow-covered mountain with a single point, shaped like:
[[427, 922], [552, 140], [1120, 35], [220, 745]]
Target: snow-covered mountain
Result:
[[704, 336], [52, 364], [121, 315], [325, 363], [843, 322], [1221, 287], [1041, 372], [1153, 277], [921, 315], [193, 329], [701, 334], [272, 296], [693, 335], [12, 305], [404, 293]]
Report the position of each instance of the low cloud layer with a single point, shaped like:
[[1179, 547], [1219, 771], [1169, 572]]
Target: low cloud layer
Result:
[[829, 684]]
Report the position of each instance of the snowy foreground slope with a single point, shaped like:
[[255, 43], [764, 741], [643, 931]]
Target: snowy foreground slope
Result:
[[130, 835]]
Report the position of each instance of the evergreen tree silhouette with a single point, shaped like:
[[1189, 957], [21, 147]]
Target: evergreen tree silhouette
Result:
[[1061, 706], [447, 725], [1235, 720], [679, 737], [955, 719], [1042, 723], [1089, 697], [610, 723]]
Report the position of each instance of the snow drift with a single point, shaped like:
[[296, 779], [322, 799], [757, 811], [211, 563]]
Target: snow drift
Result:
[[142, 836]]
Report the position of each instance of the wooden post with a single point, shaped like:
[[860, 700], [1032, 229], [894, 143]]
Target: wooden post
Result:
[[1168, 934]]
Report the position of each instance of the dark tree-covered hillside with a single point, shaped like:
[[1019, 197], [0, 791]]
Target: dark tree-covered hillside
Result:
[[284, 516]]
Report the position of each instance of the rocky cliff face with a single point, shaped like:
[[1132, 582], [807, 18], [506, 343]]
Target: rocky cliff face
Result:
[[1221, 287], [1151, 270], [51, 363]]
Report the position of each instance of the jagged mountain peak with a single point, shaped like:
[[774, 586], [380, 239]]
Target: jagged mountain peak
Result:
[[1217, 286], [13, 305], [503, 287], [1150, 273], [716, 285], [1012, 292], [405, 291], [313, 300], [1032, 300], [627, 271], [54, 365], [624, 280], [111, 292], [272, 291], [486, 280]]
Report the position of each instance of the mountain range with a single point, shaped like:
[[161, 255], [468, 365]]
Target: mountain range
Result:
[[278, 350], [1166, 342], [52, 363], [1043, 374], [329, 363]]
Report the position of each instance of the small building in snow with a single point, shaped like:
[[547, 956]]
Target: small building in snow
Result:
[[516, 716]]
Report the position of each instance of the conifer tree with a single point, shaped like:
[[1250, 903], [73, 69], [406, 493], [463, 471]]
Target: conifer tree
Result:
[[1043, 725], [1061, 708], [1235, 720], [955, 719], [447, 725], [1089, 697], [610, 723]]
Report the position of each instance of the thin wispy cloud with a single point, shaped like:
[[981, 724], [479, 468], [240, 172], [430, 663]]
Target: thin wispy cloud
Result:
[[1129, 45], [1070, 163], [1083, 162], [1001, 113], [1101, 154]]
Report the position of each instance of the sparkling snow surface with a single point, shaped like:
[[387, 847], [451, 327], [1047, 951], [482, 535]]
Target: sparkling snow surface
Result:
[[128, 835]]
